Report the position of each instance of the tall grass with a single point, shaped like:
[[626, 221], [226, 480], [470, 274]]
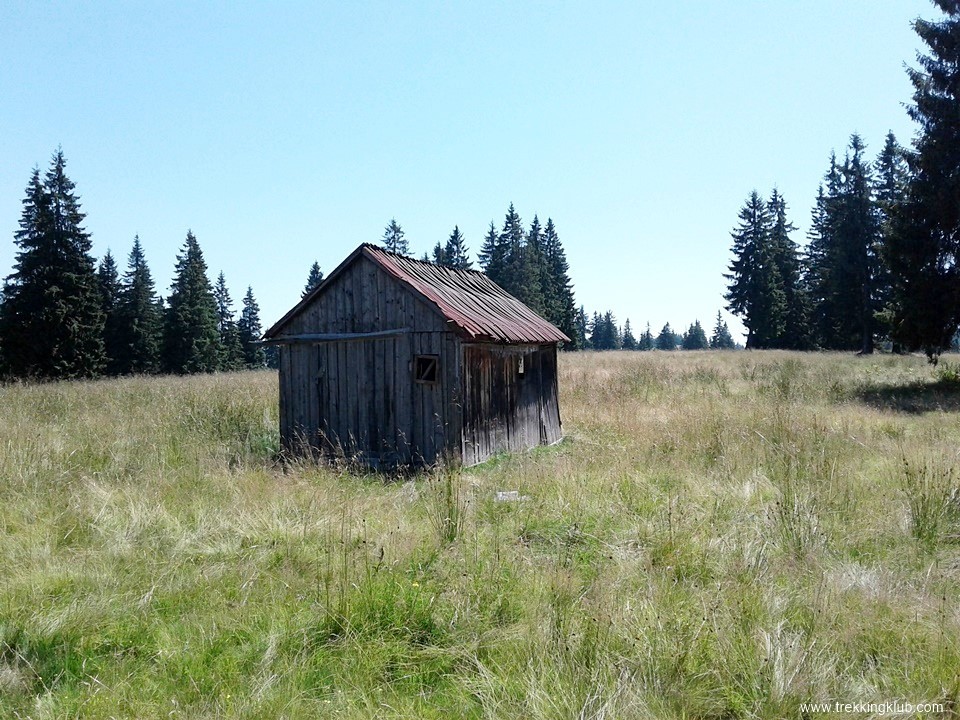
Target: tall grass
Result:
[[722, 535]]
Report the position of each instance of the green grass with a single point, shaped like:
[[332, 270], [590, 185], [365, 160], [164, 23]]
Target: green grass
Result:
[[722, 535]]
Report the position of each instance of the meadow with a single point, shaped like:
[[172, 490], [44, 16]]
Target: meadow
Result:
[[720, 535]]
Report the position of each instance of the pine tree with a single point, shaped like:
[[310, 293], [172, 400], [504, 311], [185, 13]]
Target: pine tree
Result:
[[394, 240], [313, 279], [191, 340], [695, 338], [923, 248], [666, 340], [456, 252], [646, 341], [231, 350], [141, 312], [721, 338], [629, 342], [249, 330], [51, 320], [755, 289], [110, 295]]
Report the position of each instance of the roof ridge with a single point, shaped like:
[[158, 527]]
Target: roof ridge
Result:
[[429, 263]]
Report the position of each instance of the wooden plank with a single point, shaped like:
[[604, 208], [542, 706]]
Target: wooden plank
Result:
[[402, 380], [417, 404], [389, 384], [284, 400], [430, 409], [452, 402]]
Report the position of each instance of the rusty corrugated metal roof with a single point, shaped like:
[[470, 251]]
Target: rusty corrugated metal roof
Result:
[[478, 308]]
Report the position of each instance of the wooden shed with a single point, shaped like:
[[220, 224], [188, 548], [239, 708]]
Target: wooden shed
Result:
[[394, 361]]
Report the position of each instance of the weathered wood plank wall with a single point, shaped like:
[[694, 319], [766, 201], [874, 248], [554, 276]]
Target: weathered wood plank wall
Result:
[[505, 410]]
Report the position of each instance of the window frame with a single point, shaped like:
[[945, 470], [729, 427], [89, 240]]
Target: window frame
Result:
[[432, 363]]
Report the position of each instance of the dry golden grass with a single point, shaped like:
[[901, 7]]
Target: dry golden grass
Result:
[[721, 535]]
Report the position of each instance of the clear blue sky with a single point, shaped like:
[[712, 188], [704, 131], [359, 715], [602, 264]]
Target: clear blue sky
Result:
[[283, 133]]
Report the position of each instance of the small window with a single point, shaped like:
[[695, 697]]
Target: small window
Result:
[[426, 368], [520, 366]]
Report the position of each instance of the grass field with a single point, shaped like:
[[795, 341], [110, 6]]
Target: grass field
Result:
[[722, 535]]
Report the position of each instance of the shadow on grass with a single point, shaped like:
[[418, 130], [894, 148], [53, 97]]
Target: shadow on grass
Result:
[[916, 397]]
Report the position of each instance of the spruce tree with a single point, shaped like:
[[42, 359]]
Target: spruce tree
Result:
[[394, 240], [520, 271], [843, 261], [595, 331], [646, 341], [818, 277], [248, 327], [721, 338], [231, 350], [755, 288], [456, 252], [604, 332], [629, 342], [786, 256], [313, 279], [530, 271], [923, 248], [536, 265], [191, 340], [859, 232], [492, 255], [891, 176], [695, 338], [582, 337], [51, 320], [110, 295], [562, 309], [612, 338], [141, 312], [666, 340], [439, 255]]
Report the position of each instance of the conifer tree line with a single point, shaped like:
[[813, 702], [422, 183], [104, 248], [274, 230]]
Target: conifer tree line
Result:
[[880, 263], [602, 333], [63, 315]]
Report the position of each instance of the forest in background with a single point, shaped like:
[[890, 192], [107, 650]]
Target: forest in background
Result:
[[881, 259]]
